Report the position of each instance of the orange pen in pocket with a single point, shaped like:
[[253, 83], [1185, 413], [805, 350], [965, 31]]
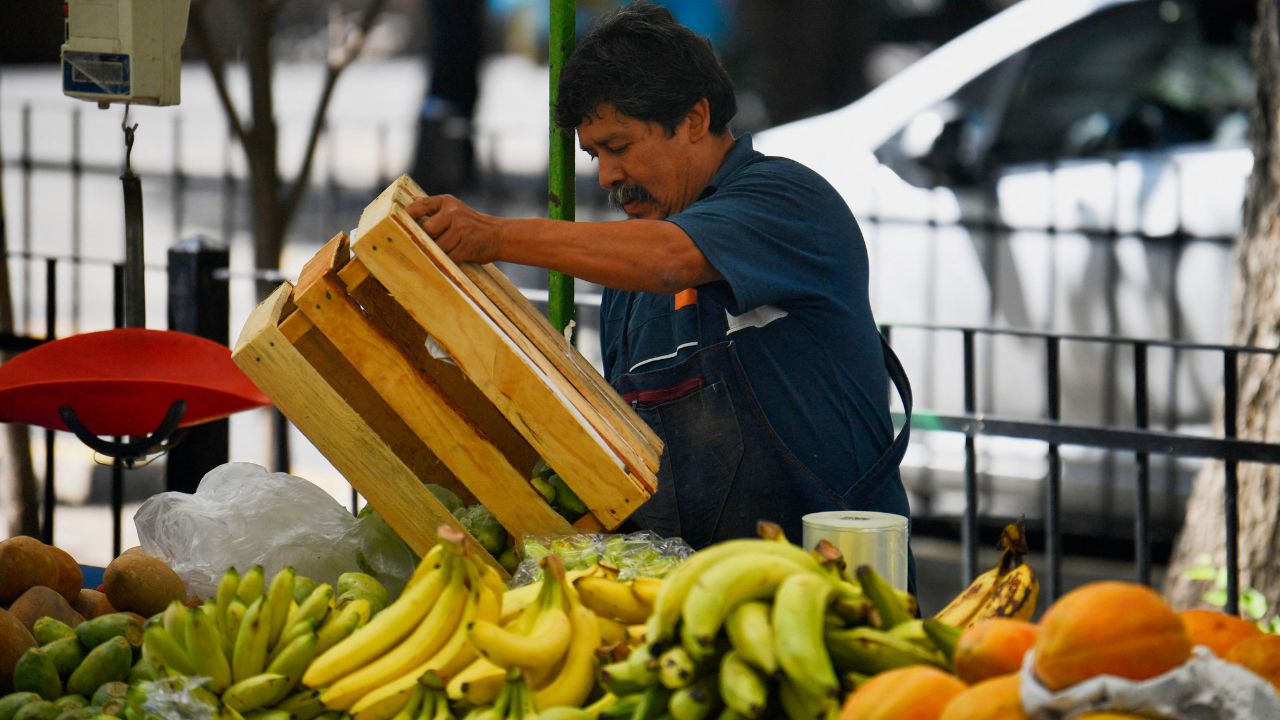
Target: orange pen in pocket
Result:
[[686, 297]]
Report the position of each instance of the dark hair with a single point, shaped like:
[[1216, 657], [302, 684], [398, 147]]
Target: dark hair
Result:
[[648, 66]]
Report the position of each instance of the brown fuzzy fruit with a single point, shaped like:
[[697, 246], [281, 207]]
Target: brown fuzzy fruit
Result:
[[141, 583], [1109, 628], [998, 698], [24, 563], [918, 692], [41, 601], [1261, 655], [994, 647], [15, 639], [1217, 631], [70, 576], [91, 604]]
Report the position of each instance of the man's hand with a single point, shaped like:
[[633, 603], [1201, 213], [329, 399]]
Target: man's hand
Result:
[[463, 233]]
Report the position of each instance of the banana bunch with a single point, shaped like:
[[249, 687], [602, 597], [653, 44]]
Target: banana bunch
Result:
[[253, 640], [758, 628], [550, 644], [381, 670], [1008, 590]]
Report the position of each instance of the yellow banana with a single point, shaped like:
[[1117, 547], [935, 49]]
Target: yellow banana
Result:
[[669, 604], [174, 620], [259, 691], [751, 633], [646, 590], [429, 564], [676, 668], [695, 702], [577, 676], [799, 608], [279, 598], [612, 631], [636, 635], [741, 687], [381, 634], [164, 653], [313, 607], [410, 709], [1014, 596], [420, 646], [235, 615], [204, 644], [740, 578], [963, 608], [516, 600], [548, 632], [293, 660], [611, 599], [228, 584], [478, 684], [252, 585], [456, 654], [250, 654]]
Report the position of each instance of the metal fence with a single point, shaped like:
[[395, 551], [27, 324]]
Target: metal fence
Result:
[[40, 290]]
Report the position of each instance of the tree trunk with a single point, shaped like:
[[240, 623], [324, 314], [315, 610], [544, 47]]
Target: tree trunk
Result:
[[1255, 321], [17, 476]]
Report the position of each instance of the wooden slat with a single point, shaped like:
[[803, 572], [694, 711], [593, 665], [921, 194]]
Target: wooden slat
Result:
[[310, 401], [428, 412], [498, 366]]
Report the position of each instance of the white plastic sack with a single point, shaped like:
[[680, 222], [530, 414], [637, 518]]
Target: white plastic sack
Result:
[[241, 515], [1203, 688]]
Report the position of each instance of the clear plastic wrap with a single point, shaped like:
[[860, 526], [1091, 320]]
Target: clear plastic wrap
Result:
[[241, 515], [639, 554]]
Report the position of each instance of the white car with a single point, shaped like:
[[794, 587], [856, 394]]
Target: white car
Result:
[[1071, 166]]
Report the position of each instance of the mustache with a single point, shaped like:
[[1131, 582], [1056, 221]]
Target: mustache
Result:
[[620, 195]]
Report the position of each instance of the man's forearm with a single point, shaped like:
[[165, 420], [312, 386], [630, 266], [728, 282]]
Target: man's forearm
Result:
[[643, 255]]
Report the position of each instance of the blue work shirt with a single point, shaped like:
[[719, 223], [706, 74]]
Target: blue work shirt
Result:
[[794, 300]]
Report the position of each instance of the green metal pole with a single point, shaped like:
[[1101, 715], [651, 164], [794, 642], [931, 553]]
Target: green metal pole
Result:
[[560, 175]]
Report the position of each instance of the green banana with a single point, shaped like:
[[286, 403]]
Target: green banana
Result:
[[93, 633], [694, 702], [259, 691], [65, 654], [738, 579], [799, 609], [303, 705], [751, 634], [315, 606], [109, 662], [48, 629], [945, 637], [34, 672], [164, 653], [205, 648], [338, 628], [741, 687], [279, 598], [291, 633], [676, 668], [869, 651], [252, 585], [800, 705], [292, 662], [249, 656], [889, 606]]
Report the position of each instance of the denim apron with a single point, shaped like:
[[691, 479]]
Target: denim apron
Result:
[[724, 468]]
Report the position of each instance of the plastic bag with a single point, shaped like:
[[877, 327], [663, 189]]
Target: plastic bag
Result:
[[241, 515], [175, 698], [640, 554], [1203, 688]]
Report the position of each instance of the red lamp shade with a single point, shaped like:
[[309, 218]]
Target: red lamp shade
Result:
[[123, 382]]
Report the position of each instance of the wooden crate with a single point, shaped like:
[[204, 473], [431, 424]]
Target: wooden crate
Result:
[[344, 355]]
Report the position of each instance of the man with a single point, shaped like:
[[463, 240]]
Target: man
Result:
[[737, 320]]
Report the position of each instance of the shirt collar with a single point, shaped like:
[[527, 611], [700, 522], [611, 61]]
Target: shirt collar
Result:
[[739, 154]]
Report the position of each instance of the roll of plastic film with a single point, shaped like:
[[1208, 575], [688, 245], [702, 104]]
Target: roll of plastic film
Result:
[[863, 538]]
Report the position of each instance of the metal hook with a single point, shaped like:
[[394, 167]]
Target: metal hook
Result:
[[128, 139]]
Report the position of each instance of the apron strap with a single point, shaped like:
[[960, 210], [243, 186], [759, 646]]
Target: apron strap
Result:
[[893, 455]]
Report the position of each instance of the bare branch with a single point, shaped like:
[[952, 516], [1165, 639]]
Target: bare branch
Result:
[[217, 69], [337, 63]]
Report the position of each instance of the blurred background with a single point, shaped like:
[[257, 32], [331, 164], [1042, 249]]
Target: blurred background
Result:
[[1064, 177]]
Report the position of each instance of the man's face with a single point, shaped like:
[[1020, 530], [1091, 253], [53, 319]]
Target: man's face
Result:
[[645, 170]]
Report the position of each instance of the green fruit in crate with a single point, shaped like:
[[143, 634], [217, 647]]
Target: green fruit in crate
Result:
[[109, 691], [356, 586], [544, 488], [510, 559], [35, 673], [48, 629], [38, 710], [570, 505], [66, 655], [71, 702], [485, 528], [109, 662]]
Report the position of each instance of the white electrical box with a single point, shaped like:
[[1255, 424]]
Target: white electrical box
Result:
[[124, 50]]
